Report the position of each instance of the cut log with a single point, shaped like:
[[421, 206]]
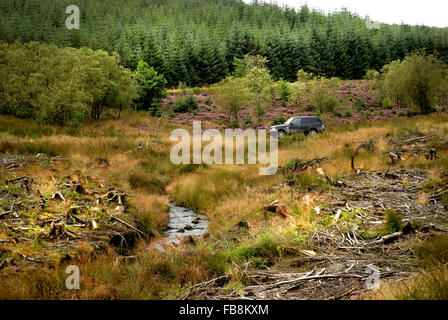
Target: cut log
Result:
[[386, 238]]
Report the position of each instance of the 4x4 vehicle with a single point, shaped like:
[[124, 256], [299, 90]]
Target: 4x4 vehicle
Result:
[[306, 125]]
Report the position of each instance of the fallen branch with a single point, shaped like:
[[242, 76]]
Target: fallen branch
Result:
[[16, 179], [156, 133], [202, 284], [387, 238], [305, 278], [300, 165], [5, 213], [29, 258], [128, 225]]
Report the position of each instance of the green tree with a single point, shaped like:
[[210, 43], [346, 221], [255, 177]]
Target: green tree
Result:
[[61, 86], [259, 82], [416, 81], [205, 36], [232, 95], [284, 91], [151, 87]]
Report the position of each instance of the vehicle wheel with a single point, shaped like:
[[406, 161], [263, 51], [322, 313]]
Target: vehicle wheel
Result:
[[281, 134], [312, 132]]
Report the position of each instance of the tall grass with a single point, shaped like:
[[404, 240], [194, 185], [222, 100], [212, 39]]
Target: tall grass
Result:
[[153, 275]]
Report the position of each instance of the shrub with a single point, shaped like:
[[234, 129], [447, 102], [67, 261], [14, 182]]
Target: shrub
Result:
[[208, 102], [186, 105], [415, 82], [278, 120], [304, 76], [233, 124], [300, 94], [310, 108], [372, 75], [345, 112], [359, 104], [323, 94], [243, 66], [393, 221], [284, 91], [61, 86], [386, 103], [412, 112], [259, 251], [258, 80]]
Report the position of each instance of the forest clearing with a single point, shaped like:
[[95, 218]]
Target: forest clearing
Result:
[[71, 207]]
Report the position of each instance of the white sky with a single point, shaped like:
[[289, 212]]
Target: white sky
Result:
[[413, 12]]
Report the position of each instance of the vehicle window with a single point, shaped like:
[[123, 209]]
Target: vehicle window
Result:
[[307, 120], [289, 121], [311, 121], [296, 122]]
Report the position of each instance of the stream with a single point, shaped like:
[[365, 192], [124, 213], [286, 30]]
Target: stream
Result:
[[184, 222]]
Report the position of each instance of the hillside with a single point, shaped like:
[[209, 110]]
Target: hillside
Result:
[[195, 41]]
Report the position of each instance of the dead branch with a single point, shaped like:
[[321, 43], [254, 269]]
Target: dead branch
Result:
[[29, 258], [16, 179], [432, 155], [156, 133], [128, 225], [386, 238], [5, 213], [395, 157], [300, 165], [201, 285]]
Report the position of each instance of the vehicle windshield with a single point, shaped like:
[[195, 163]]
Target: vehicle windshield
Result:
[[289, 121]]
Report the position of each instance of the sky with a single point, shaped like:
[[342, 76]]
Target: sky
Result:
[[432, 13]]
